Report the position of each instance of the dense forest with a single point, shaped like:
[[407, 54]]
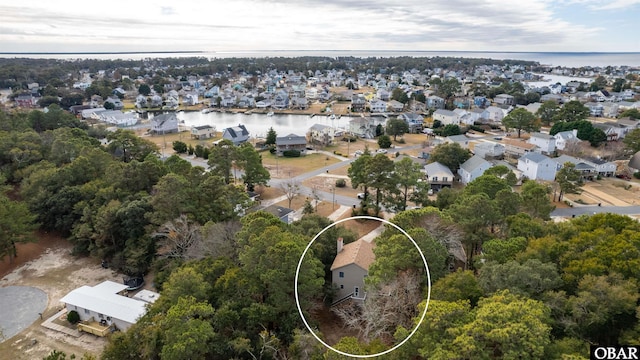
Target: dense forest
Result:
[[529, 288]]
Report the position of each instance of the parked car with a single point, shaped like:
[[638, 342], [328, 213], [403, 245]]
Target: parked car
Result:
[[382, 151], [360, 195]]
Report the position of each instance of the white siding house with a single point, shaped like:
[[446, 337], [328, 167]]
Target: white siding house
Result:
[[106, 301], [536, 166], [473, 168], [546, 142]]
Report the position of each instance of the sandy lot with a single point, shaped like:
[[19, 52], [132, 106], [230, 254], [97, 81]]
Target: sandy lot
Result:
[[49, 266]]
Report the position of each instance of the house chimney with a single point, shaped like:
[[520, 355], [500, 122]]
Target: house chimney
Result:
[[340, 244]]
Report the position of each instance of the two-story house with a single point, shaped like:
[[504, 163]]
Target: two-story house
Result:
[[350, 267], [536, 166]]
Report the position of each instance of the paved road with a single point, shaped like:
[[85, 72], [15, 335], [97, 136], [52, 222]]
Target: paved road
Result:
[[582, 210], [21, 306]]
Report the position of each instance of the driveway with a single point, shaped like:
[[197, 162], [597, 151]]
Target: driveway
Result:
[[21, 306]]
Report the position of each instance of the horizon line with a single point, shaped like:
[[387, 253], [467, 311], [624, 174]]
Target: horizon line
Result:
[[302, 50]]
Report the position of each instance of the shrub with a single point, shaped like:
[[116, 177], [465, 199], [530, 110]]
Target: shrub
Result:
[[180, 147], [384, 142], [341, 183], [636, 174], [73, 317], [291, 153]]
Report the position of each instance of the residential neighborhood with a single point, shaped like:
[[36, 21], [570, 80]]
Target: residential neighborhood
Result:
[[210, 178]]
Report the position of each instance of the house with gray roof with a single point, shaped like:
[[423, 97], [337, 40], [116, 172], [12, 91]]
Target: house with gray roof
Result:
[[566, 138], [461, 140], [546, 142], [164, 124], [489, 150], [603, 167], [446, 117], [291, 142], [473, 168], [237, 134], [586, 169], [284, 214], [536, 166], [438, 176], [321, 134]]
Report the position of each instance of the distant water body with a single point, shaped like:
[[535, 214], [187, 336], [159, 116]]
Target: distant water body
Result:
[[566, 59]]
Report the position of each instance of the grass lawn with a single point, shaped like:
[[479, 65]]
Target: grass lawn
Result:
[[167, 140], [283, 167]]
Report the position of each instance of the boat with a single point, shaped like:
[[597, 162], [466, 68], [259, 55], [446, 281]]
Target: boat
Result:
[[133, 282], [270, 113]]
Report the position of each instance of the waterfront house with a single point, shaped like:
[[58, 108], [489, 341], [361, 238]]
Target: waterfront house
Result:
[[237, 134], [350, 267], [321, 134], [291, 142], [164, 124], [202, 132]]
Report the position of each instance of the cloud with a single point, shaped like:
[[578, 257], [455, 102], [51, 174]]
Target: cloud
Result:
[[603, 4], [312, 25], [168, 10]]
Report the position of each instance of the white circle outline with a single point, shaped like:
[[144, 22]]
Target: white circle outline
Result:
[[424, 313]]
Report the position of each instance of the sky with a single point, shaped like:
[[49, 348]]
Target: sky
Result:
[[245, 25]]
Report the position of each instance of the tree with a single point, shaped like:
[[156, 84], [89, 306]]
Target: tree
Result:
[[399, 95], [358, 174], [271, 137], [618, 85], [503, 250], [632, 140], [459, 285], [450, 130], [530, 279], [535, 200], [16, 226], [569, 180], [407, 174], [221, 159], [291, 189], [379, 173], [250, 161], [144, 89], [520, 119], [572, 111], [505, 326], [598, 83], [632, 113], [179, 147], [547, 111], [384, 141], [486, 184], [450, 155], [397, 127], [127, 146]]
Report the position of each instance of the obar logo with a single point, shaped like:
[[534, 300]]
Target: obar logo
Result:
[[614, 352]]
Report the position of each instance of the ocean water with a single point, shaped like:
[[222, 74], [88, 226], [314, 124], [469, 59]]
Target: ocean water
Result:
[[562, 59]]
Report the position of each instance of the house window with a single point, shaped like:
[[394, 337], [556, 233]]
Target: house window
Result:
[[435, 178], [341, 286], [101, 316], [444, 179], [75, 307], [86, 311], [341, 274]]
